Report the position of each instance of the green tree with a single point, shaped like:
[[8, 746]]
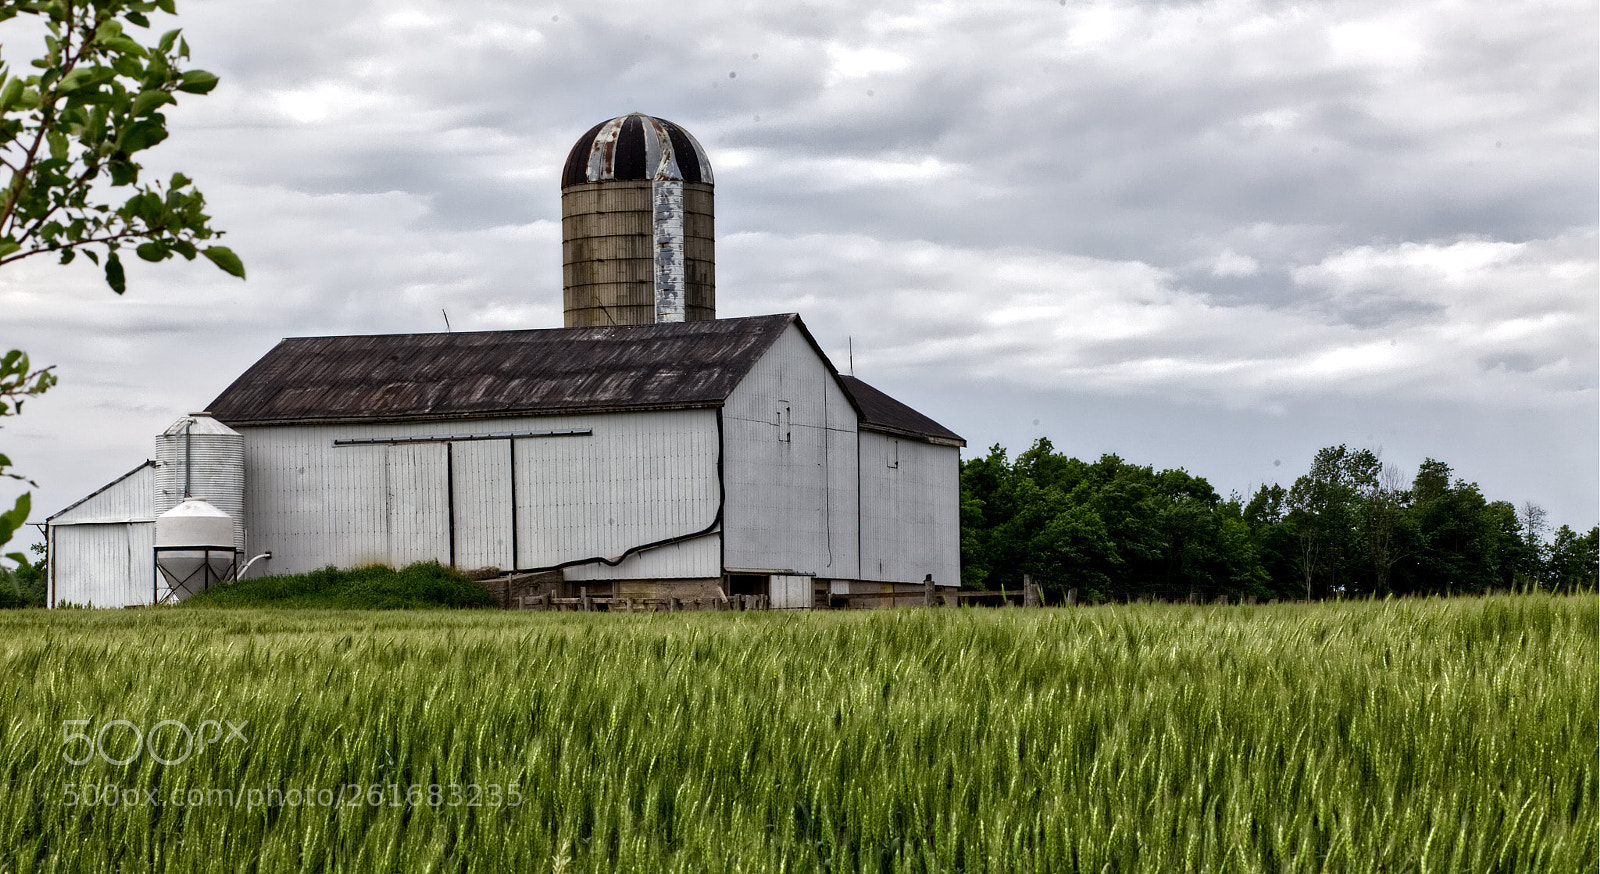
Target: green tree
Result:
[[1323, 513], [1574, 560], [1457, 534], [72, 128], [1111, 529], [1273, 539]]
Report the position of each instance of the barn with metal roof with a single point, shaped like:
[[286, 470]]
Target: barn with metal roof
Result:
[[648, 449]]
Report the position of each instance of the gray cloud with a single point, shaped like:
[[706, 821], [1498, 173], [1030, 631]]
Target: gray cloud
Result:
[[1293, 225]]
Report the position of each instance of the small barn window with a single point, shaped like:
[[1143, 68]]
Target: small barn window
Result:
[[784, 421]]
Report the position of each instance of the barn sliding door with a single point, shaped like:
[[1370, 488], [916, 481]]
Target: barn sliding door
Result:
[[480, 498], [416, 477]]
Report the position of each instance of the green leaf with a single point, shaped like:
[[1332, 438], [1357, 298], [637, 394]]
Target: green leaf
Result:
[[224, 258], [123, 171], [16, 517], [152, 251], [10, 94], [114, 275], [7, 246], [167, 39], [142, 135], [197, 82], [158, 72], [128, 66], [167, 7], [179, 181], [126, 46], [148, 100]]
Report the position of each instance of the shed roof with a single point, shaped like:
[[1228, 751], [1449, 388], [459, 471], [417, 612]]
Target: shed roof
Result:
[[496, 373], [879, 412]]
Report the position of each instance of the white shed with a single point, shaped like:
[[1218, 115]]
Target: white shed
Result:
[[101, 549]]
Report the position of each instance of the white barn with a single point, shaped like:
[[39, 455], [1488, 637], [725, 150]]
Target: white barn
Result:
[[638, 461], [646, 449]]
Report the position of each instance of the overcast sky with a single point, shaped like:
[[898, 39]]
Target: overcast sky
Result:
[[1216, 236]]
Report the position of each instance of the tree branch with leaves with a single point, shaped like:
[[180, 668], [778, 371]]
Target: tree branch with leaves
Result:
[[72, 128]]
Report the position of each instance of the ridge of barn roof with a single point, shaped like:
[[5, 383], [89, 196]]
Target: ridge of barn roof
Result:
[[879, 412], [394, 377]]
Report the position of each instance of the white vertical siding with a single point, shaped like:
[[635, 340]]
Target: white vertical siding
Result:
[[128, 498], [102, 548], [312, 505], [790, 592], [910, 510], [641, 478], [638, 478], [103, 564], [790, 466], [698, 557], [481, 498], [419, 504]]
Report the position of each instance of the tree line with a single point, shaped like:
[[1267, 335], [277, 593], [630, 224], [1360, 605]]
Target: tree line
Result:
[[1351, 526]]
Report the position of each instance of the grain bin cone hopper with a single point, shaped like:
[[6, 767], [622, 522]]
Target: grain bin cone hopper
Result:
[[194, 549]]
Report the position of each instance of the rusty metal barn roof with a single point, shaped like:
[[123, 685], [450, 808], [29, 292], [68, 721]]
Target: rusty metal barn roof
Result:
[[495, 373], [880, 412]]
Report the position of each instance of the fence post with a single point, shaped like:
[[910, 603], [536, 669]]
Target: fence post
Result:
[[928, 591], [1030, 592], [583, 595], [1072, 597]]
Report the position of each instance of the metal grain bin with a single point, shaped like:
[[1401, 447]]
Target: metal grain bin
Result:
[[202, 458]]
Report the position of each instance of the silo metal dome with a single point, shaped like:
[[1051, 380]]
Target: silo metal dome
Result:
[[637, 225], [636, 147]]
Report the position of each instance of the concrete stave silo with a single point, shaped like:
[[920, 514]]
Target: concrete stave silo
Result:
[[638, 226]]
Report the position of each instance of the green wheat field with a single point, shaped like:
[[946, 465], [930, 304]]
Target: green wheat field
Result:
[[1425, 735]]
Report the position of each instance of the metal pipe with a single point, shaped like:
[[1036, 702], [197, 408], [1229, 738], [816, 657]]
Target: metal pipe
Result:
[[241, 573], [188, 458]]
